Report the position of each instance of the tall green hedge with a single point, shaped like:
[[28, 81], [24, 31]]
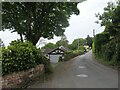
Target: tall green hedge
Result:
[[107, 49], [101, 39]]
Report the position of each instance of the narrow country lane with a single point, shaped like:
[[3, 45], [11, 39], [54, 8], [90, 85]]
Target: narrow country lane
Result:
[[81, 72]]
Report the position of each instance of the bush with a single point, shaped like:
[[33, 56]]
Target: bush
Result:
[[73, 54], [68, 56], [18, 56], [21, 56]]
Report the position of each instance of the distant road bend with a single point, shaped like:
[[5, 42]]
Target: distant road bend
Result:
[[81, 72]]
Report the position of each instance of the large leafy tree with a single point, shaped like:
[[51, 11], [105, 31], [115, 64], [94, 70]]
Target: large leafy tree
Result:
[[37, 19], [111, 19]]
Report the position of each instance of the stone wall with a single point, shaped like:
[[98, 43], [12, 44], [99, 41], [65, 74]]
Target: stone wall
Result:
[[18, 79]]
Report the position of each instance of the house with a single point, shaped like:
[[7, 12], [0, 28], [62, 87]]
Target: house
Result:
[[46, 51], [55, 54]]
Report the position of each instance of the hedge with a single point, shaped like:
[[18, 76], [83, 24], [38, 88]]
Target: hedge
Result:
[[20, 56], [106, 49], [100, 39]]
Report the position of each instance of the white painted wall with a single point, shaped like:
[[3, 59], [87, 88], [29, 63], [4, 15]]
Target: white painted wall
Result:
[[54, 58]]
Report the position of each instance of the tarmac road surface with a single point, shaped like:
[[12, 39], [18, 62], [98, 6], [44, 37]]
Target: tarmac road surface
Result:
[[81, 72]]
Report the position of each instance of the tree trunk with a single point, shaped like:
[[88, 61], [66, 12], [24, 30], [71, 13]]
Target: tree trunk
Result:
[[32, 39], [21, 38], [35, 40]]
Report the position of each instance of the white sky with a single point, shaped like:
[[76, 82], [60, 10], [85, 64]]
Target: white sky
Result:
[[80, 26]]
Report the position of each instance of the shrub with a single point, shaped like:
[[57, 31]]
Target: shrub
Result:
[[73, 54], [68, 56], [22, 56], [18, 56]]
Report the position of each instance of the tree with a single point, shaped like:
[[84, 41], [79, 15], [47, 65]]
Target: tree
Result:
[[76, 43], [41, 42], [89, 41], [49, 45], [111, 19], [37, 19], [62, 42], [1, 43]]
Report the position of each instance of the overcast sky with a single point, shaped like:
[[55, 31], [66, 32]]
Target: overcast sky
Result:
[[80, 26]]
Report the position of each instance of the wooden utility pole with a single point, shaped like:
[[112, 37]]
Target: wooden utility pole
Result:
[[78, 43]]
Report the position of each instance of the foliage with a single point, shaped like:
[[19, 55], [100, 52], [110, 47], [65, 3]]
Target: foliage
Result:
[[74, 45], [69, 56], [21, 56], [37, 19], [49, 45], [18, 56], [81, 48], [106, 17], [1, 43], [99, 40], [93, 47], [60, 59], [0, 53], [89, 41], [107, 46], [74, 53], [62, 42], [108, 50], [110, 19], [109, 54]]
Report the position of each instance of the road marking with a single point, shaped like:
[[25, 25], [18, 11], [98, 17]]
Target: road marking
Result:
[[82, 75], [81, 67]]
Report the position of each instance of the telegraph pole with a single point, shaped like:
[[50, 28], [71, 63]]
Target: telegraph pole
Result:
[[78, 43]]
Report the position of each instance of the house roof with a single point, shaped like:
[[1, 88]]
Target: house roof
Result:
[[49, 51], [58, 51], [63, 48], [46, 51]]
